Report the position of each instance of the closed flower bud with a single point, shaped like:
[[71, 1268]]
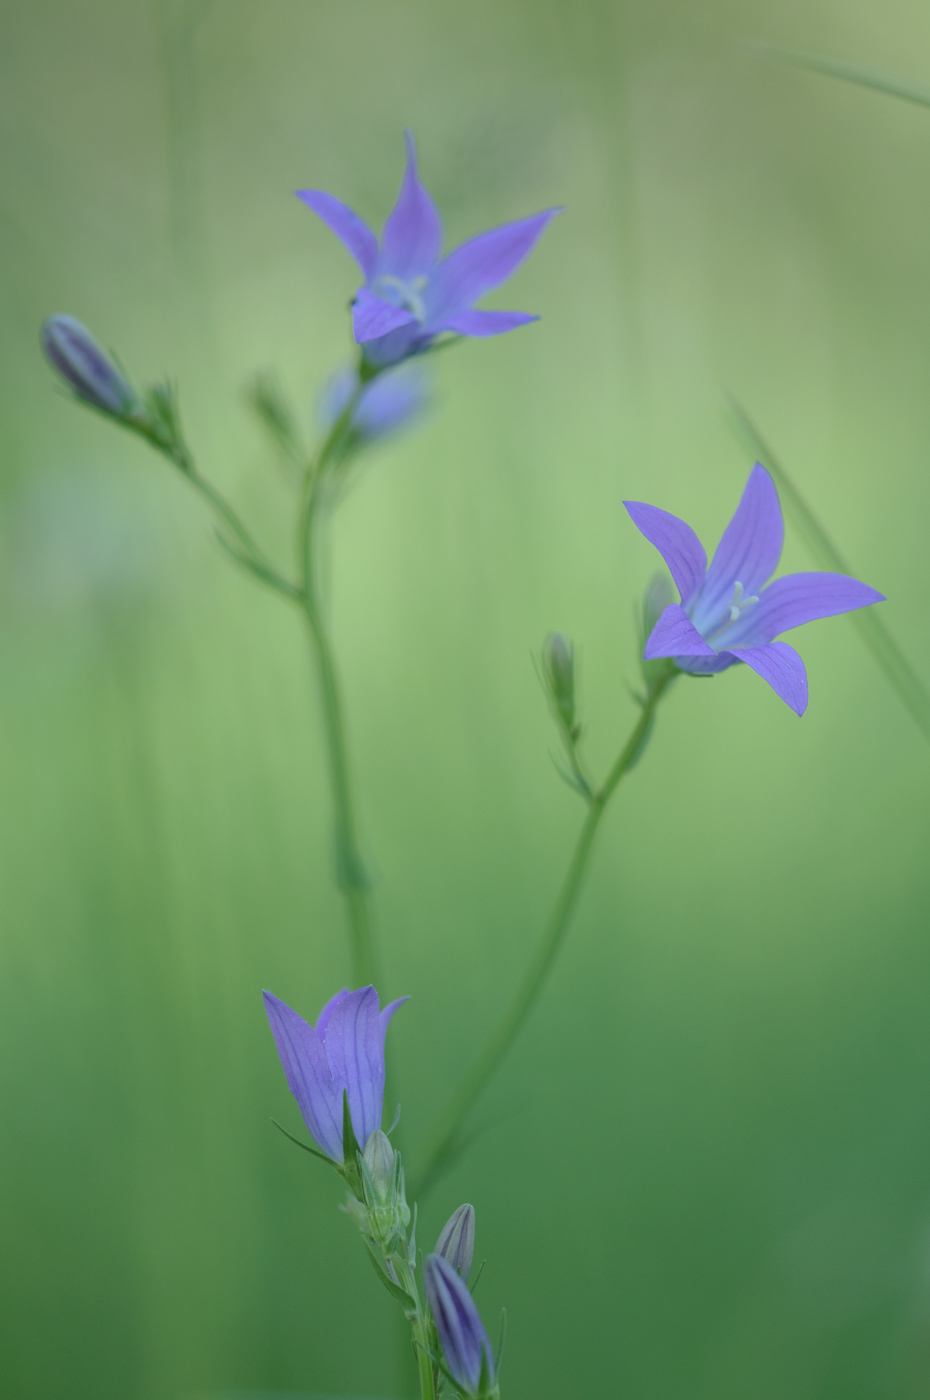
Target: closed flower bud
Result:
[[656, 599], [558, 660], [73, 352], [456, 1241], [465, 1346], [385, 1214], [379, 1159]]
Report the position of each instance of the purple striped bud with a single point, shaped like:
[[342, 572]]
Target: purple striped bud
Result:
[[466, 1350], [456, 1241], [72, 350]]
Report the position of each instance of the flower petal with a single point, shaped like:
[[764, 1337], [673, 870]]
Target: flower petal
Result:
[[795, 599], [354, 1045], [779, 665], [322, 1021], [397, 345], [706, 665], [351, 230], [373, 317], [479, 265], [387, 1016], [749, 550], [676, 542], [308, 1075], [412, 238], [485, 323], [676, 635]]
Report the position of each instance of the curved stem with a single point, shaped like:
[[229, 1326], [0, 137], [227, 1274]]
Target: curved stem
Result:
[[243, 547], [446, 1141]]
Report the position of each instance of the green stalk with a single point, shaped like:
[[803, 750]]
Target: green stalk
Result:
[[351, 875], [419, 1321], [424, 1364], [446, 1141]]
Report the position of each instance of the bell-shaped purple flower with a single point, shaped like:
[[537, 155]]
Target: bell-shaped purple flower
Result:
[[465, 1346], [411, 293], [726, 613], [343, 1052]]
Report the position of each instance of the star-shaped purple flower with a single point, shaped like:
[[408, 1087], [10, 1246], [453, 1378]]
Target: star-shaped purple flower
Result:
[[344, 1051], [726, 614], [411, 294]]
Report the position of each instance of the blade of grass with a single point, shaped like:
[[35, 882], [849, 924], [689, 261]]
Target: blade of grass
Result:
[[867, 622], [848, 72]]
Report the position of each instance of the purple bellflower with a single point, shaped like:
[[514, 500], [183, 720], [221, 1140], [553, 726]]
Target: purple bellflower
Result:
[[411, 294], [394, 400], [465, 1346], [726, 614], [343, 1052]]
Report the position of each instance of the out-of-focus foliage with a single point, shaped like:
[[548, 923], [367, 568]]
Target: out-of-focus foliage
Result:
[[724, 1094]]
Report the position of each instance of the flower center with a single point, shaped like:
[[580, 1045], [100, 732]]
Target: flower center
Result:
[[732, 613], [406, 294]]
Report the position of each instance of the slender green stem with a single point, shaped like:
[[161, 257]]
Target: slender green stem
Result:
[[424, 1363], [351, 875], [243, 547], [419, 1321], [237, 539], [446, 1140]]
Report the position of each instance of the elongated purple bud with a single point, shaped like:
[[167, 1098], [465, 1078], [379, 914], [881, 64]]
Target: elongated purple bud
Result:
[[456, 1241], [465, 1346], [73, 352]]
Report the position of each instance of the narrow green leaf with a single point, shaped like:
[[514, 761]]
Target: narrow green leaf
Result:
[[401, 1294], [312, 1150], [867, 622], [856, 73], [351, 1152]]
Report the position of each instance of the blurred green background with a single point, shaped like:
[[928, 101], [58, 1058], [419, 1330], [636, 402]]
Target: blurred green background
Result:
[[705, 1171]]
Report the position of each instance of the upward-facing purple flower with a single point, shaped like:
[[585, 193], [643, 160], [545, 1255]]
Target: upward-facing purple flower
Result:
[[411, 293], [344, 1051], [726, 614]]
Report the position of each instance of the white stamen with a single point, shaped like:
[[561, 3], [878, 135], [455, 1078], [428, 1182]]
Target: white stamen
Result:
[[739, 602], [410, 293]]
